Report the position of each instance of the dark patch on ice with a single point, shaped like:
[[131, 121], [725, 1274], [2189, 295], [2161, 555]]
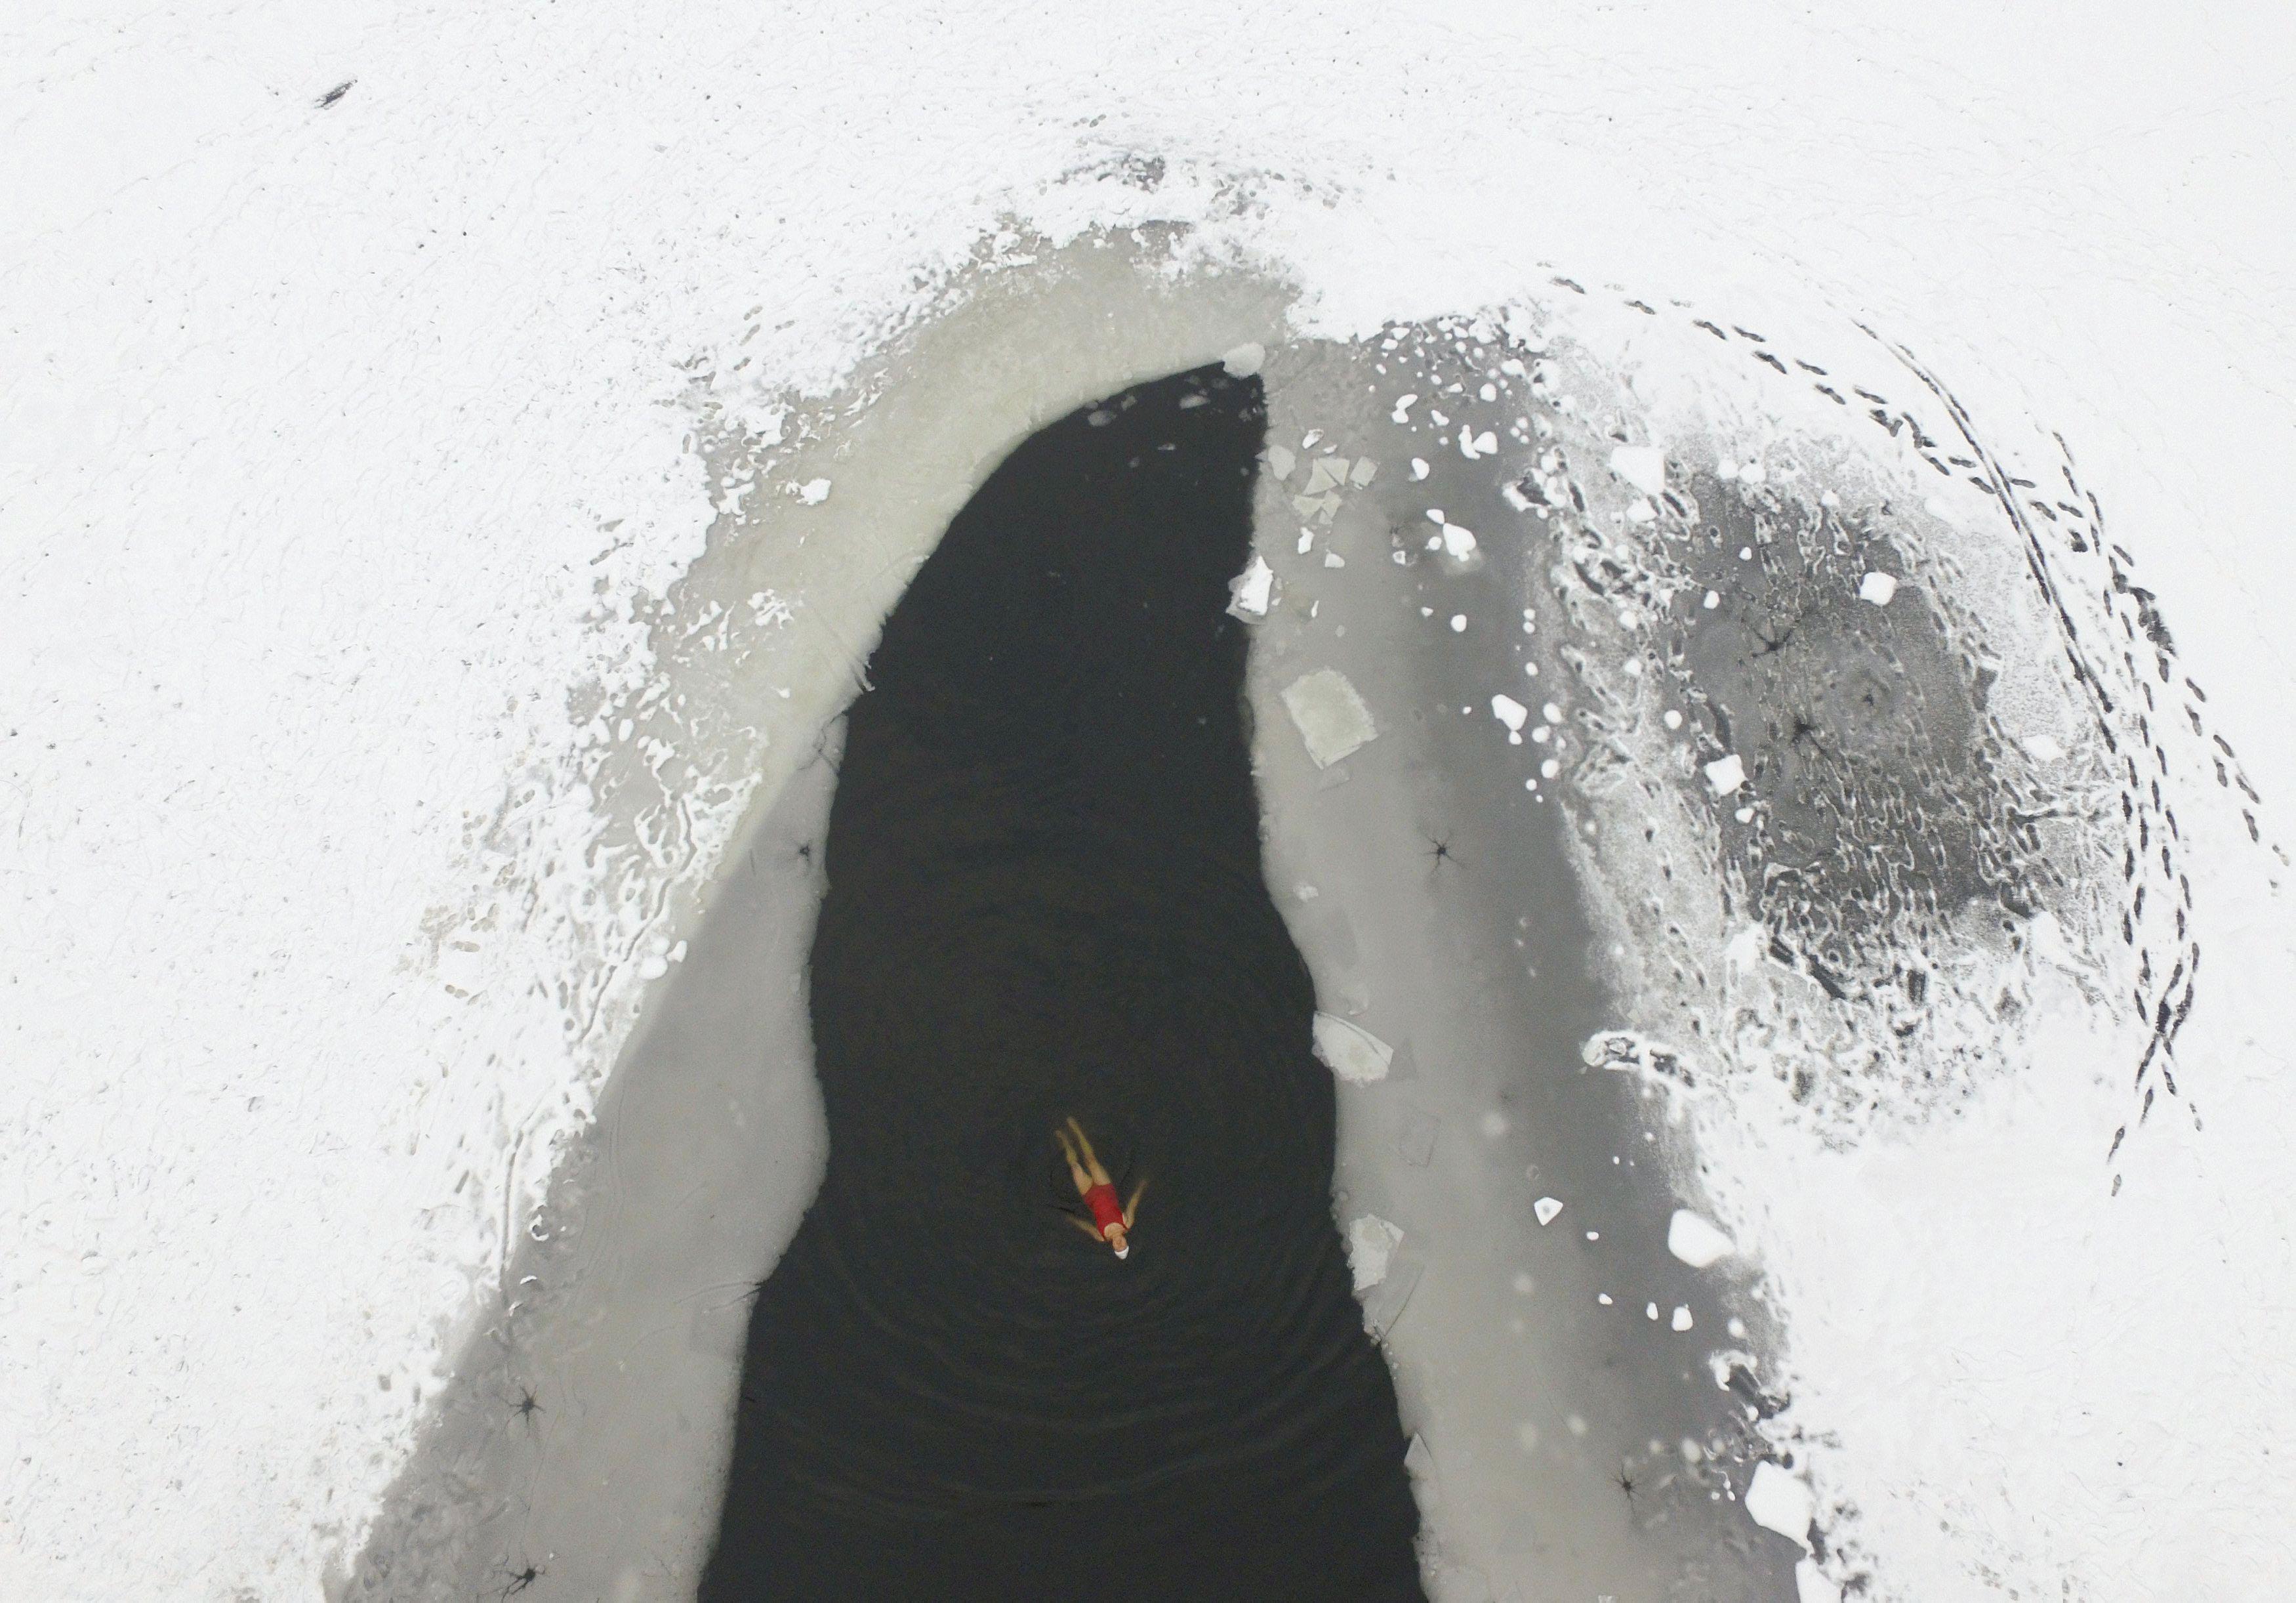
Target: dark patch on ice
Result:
[[1045, 897]]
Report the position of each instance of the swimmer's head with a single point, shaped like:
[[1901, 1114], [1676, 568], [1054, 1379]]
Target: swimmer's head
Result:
[[1122, 1251], [1115, 1238]]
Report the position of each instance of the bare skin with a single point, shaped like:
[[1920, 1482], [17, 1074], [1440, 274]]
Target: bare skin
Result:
[[1085, 1169]]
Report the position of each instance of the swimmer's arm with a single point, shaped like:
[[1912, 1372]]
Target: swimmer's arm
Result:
[[1132, 1206], [1090, 1229]]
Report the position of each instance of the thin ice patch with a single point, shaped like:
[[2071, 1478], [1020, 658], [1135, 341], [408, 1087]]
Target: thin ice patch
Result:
[[1329, 716]]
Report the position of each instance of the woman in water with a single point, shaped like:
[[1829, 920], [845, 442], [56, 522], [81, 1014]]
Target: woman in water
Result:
[[1110, 1222]]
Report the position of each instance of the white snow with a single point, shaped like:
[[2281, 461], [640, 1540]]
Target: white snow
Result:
[[1812, 1585], [1329, 716], [1877, 588], [1644, 466], [813, 492], [325, 428], [1696, 1240]]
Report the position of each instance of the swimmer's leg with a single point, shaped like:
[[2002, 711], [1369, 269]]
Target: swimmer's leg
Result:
[[1091, 1158], [1076, 1169]]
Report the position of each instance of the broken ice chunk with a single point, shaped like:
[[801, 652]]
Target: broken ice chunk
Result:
[[1350, 1051], [1877, 588], [1780, 1500], [813, 492], [1510, 713], [1251, 591], [1372, 1241], [1362, 471], [1325, 472], [1402, 413], [1695, 1241], [1726, 774], [1329, 716], [1419, 468], [1280, 462], [1547, 1208], [1682, 1320], [1644, 466], [1812, 1584], [1244, 360]]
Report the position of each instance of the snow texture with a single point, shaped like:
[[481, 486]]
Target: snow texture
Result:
[[355, 376]]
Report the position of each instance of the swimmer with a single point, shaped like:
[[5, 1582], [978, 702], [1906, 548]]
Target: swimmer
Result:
[[1110, 1222]]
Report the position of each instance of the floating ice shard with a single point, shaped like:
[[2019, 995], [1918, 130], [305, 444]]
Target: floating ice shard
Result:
[[1547, 1208], [1252, 589], [1329, 716], [1877, 588], [1696, 1242], [1350, 1051], [1372, 1241], [1245, 359], [1781, 1500], [1726, 774]]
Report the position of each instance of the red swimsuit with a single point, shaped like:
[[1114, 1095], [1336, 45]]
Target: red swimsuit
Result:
[[1105, 1209]]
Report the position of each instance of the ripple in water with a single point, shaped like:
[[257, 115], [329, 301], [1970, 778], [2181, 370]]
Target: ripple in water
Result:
[[1045, 897]]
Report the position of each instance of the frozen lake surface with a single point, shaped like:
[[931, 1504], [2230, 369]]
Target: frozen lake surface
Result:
[[1809, 1059]]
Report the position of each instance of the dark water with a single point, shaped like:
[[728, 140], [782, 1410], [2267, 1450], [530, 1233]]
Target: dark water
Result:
[[1045, 897]]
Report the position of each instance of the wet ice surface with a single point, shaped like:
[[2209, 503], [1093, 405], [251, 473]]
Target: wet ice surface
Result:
[[1550, 1424], [1682, 757]]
